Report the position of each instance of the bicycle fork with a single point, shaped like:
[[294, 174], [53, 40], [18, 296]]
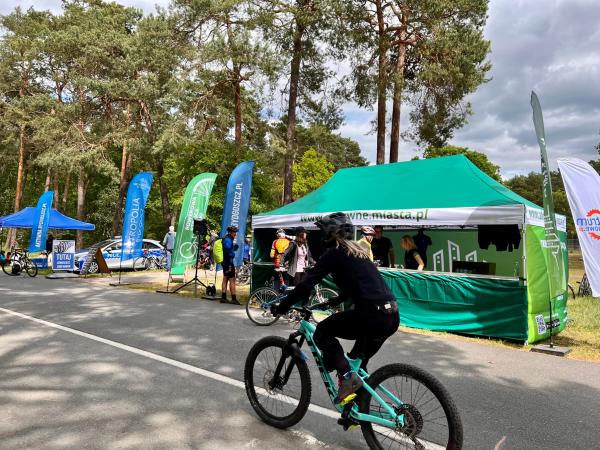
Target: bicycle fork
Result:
[[291, 349]]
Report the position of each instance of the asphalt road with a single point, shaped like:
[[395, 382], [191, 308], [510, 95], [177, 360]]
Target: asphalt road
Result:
[[142, 370]]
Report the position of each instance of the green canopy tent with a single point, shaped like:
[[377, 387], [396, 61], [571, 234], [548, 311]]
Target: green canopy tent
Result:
[[451, 198]]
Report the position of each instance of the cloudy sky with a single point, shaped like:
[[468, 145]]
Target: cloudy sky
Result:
[[550, 46]]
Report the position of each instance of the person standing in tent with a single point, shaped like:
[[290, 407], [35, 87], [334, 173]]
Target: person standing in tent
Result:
[[278, 247], [297, 257], [422, 241], [229, 249], [365, 241], [412, 258], [247, 249], [383, 250], [169, 244]]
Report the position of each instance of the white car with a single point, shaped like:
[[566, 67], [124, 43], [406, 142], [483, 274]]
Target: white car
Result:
[[111, 250]]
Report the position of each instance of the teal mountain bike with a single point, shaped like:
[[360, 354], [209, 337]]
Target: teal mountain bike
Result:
[[399, 406]]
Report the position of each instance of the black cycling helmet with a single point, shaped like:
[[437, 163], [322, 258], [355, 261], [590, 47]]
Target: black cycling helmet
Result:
[[335, 225], [232, 228]]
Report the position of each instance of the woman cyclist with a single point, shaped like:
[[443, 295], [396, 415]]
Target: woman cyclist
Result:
[[375, 314]]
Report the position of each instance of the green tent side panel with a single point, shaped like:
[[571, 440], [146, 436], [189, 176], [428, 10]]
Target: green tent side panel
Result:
[[538, 286], [478, 306]]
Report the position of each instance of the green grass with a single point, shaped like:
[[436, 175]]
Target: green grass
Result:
[[582, 333]]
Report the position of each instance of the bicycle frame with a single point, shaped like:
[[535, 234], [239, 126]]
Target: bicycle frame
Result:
[[305, 333]]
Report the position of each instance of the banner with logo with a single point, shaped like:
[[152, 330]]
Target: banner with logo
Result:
[[39, 228], [133, 218], [582, 184], [63, 255], [195, 203], [553, 248], [237, 203]]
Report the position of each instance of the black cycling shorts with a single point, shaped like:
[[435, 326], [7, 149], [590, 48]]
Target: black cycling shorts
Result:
[[228, 270]]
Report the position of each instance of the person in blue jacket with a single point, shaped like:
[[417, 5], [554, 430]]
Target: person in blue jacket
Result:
[[229, 249]]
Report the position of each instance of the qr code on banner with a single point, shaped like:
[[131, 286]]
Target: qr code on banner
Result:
[[541, 324]]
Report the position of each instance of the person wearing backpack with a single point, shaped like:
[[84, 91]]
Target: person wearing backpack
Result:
[[229, 249]]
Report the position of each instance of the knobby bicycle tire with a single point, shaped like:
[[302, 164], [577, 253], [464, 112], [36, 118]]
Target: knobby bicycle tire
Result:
[[254, 309], [257, 399], [140, 263], [408, 372], [7, 269], [30, 267]]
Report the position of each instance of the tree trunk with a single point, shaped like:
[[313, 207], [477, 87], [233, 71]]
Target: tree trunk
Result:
[[10, 240], [81, 188], [237, 94], [397, 101], [381, 84], [48, 180], [288, 177], [238, 112], [66, 192], [164, 194], [56, 193], [126, 163]]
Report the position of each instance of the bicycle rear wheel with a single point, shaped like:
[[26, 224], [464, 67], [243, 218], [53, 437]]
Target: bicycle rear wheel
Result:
[[278, 401], [161, 262], [7, 269], [430, 415], [30, 267], [140, 263], [259, 304]]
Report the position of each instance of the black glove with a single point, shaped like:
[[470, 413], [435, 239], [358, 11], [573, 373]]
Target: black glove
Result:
[[335, 301], [235, 247], [279, 309], [322, 306]]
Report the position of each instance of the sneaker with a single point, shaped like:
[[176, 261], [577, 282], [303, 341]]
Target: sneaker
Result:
[[224, 300], [348, 384]]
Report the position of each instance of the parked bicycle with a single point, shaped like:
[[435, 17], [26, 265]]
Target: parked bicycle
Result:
[[584, 290], [18, 261], [242, 273], [149, 261], [399, 405], [259, 304]]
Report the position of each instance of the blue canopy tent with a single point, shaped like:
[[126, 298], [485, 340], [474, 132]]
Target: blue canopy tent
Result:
[[26, 217]]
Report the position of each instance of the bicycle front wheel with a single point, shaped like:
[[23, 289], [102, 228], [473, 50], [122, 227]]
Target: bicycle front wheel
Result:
[[31, 268], [281, 400], [259, 304], [429, 417]]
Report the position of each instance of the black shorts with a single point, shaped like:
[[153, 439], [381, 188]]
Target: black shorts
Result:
[[228, 270]]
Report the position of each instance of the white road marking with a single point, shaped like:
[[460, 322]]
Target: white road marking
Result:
[[171, 362], [188, 367]]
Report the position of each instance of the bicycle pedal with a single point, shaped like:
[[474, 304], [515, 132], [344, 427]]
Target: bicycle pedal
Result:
[[347, 400], [348, 424]]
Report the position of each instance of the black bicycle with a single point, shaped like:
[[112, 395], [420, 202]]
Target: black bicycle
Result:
[[18, 261]]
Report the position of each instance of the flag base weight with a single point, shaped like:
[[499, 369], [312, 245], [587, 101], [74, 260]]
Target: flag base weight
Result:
[[553, 350]]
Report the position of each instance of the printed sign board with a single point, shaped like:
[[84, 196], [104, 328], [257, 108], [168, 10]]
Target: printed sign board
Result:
[[63, 255]]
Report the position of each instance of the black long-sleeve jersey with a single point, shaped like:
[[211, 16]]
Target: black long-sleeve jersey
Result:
[[356, 278]]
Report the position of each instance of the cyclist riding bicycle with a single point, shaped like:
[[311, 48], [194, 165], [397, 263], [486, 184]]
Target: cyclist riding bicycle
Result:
[[375, 314]]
